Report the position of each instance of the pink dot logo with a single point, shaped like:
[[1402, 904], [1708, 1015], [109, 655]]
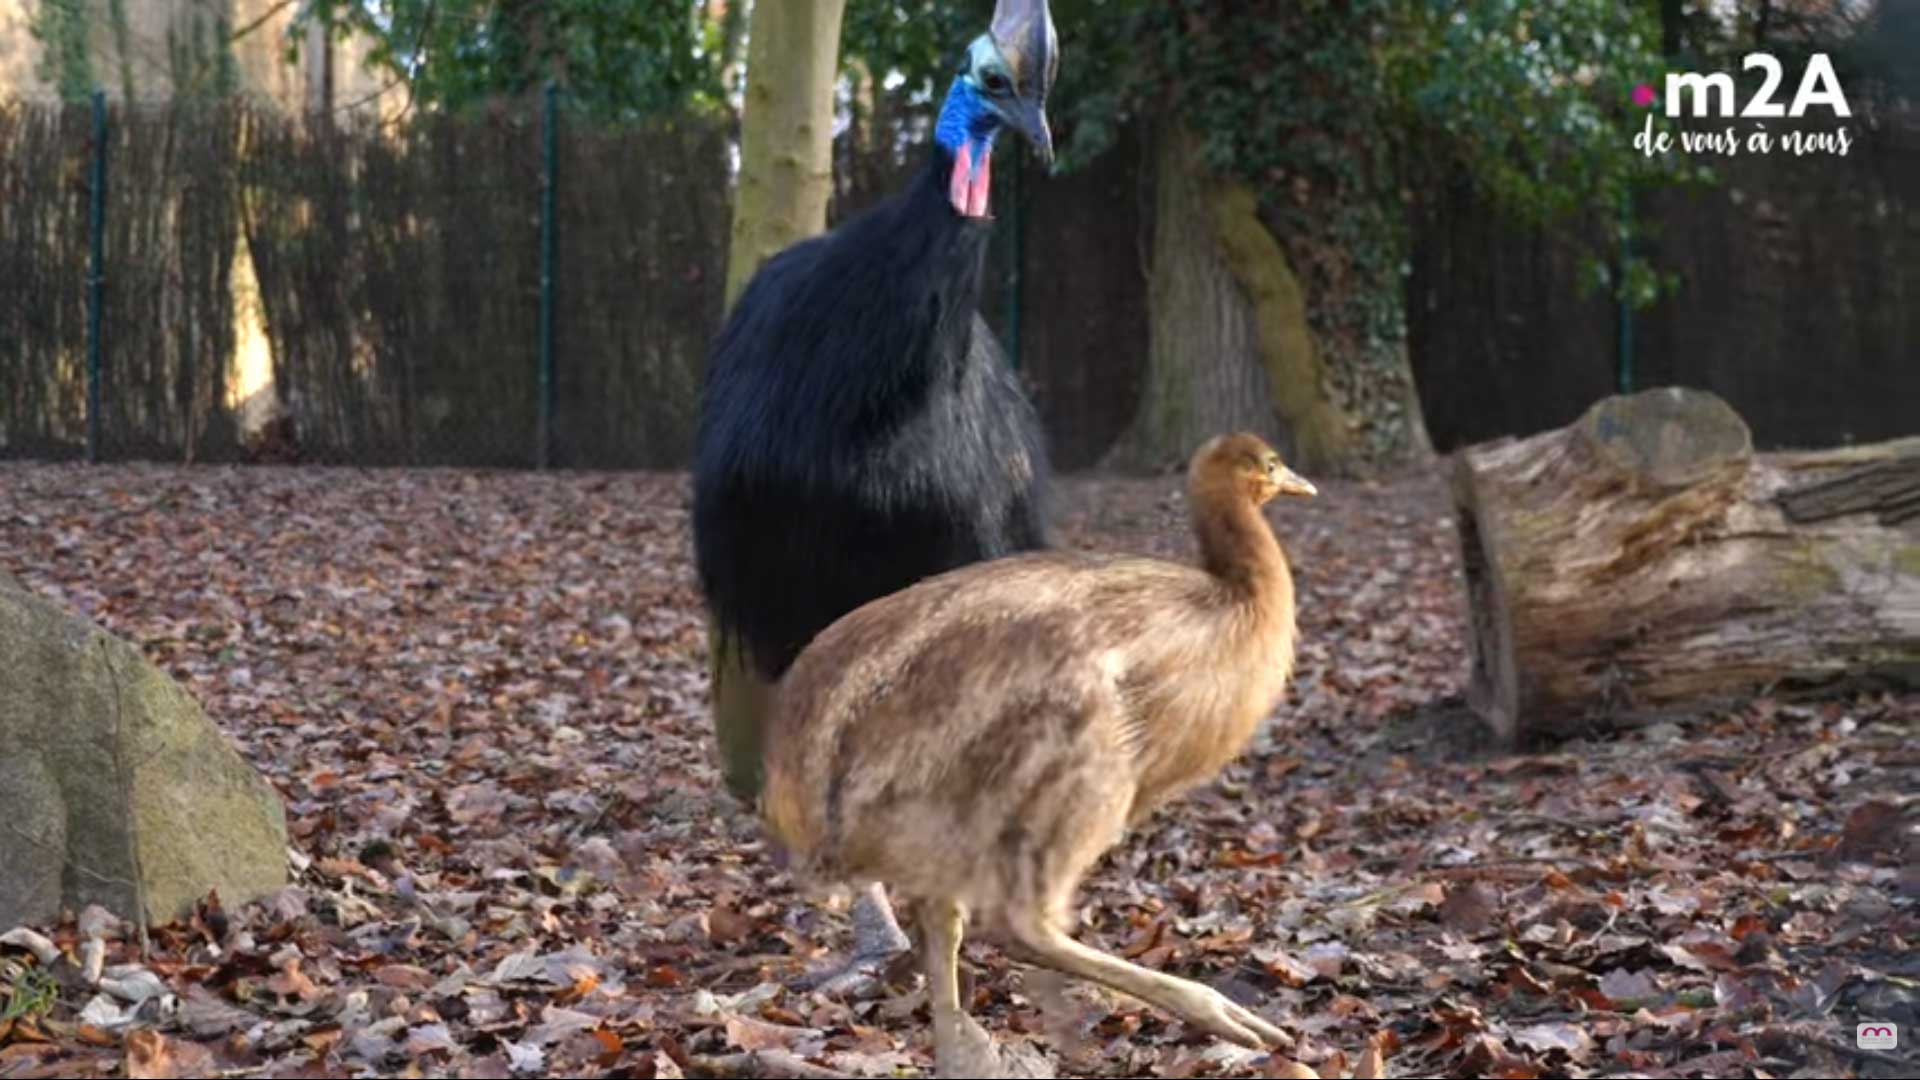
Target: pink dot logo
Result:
[[1643, 95]]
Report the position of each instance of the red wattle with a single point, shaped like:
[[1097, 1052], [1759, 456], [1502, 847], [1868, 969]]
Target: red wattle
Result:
[[977, 191], [957, 188]]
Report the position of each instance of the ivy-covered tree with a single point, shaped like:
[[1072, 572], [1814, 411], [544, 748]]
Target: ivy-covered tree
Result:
[[1331, 119]]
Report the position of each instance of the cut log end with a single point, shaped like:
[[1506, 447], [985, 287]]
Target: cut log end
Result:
[[1492, 687], [1668, 438], [1640, 563]]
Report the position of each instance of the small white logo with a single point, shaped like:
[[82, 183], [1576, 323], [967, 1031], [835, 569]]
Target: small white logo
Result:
[[1708, 95], [1876, 1036]]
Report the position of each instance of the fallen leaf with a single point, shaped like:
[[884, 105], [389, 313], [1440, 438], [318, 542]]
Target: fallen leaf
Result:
[[291, 982], [1559, 1035], [1240, 858], [524, 1057], [153, 1056], [42, 947], [611, 1046], [1327, 958], [103, 1011], [407, 977], [750, 1034], [519, 967], [557, 1023], [726, 925], [1468, 909], [1701, 956], [1872, 827], [1622, 985], [425, 1039], [1372, 1064], [208, 1016]]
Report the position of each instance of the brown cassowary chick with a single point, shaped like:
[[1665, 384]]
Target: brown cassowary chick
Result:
[[979, 740]]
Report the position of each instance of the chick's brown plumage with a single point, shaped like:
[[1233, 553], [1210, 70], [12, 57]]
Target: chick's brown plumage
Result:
[[978, 740]]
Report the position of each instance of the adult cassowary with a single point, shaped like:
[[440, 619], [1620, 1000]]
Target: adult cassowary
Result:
[[861, 428]]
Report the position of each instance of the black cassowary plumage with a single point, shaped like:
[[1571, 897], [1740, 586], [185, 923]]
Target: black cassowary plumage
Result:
[[861, 428]]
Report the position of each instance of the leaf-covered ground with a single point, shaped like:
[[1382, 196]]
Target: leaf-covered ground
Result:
[[483, 697]]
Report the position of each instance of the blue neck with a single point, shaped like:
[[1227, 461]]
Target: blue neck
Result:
[[965, 118]]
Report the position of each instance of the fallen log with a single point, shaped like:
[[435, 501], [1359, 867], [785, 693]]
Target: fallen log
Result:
[[1645, 562], [1890, 489]]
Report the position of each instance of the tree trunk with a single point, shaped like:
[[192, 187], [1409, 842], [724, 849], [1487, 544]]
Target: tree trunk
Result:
[[786, 177], [1419, 444], [1673, 27], [319, 64], [733, 26], [1645, 562], [1230, 349], [786, 138], [1317, 429]]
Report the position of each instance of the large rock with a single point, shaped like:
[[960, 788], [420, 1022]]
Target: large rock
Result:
[[115, 789]]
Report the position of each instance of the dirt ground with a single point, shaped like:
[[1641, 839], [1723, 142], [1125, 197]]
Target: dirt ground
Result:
[[483, 698]]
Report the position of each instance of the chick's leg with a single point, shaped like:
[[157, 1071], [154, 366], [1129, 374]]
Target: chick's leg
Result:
[[961, 1047], [941, 926], [1201, 1006]]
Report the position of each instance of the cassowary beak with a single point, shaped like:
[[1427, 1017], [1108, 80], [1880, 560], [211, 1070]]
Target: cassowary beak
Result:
[[1029, 118], [1023, 32]]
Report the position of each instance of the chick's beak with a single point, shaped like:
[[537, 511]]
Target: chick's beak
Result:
[[1029, 118], [1292, 483]]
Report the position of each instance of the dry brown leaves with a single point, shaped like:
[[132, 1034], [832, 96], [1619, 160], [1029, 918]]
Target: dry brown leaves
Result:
[[483, 697]]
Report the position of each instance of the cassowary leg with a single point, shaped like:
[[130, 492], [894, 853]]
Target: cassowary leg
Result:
[[877, 940], [875, 931], [740, 703], [1202, 1006]]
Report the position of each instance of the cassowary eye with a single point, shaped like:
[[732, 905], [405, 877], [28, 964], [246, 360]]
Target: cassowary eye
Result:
[[996, 83]]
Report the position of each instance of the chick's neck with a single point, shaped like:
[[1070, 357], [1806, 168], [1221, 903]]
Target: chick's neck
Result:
[[1238, 548]]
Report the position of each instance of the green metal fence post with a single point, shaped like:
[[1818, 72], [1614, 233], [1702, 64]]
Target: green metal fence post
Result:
[[544, 427], [96, 269], [1016, 257]]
